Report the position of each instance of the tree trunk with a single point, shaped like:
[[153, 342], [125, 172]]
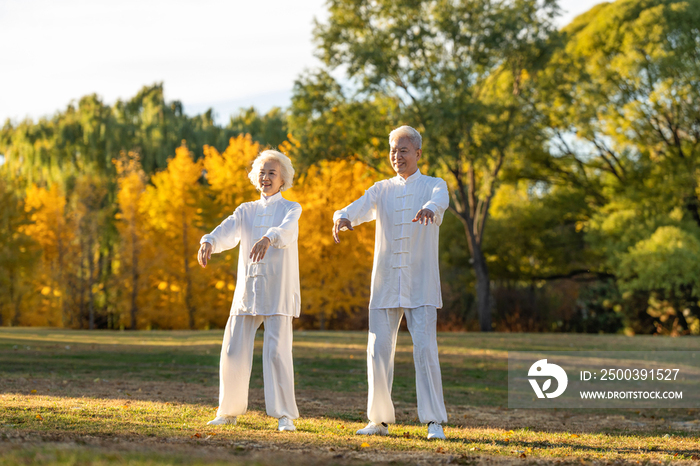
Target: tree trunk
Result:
[[91, 282], [81, 284], [483, 283], [14, 320], [693, 207], [481, 271], [134, 278], [106, 271], [188, 279], [483, 290], [65, 318], [18, 306]]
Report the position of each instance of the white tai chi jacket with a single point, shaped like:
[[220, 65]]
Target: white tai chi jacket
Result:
[[406, 271], [270, 286]]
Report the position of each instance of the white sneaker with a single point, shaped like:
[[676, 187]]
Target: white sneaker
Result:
[[221, 420], [435, 431], [374, 429], [286, 424]]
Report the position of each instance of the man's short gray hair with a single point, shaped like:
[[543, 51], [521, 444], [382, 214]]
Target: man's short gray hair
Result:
[[410, 133], [286, 168]]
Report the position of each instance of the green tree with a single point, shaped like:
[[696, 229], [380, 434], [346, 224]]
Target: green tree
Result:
[[619, 99], [88, 134], [333, 123], [19, 254], [626, 84], [269, 129], [459, 71]]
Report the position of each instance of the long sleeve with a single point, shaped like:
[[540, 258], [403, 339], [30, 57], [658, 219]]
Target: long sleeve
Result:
[[362, 210], [227, 235], [406, 271], [439, 201], [288, 231]]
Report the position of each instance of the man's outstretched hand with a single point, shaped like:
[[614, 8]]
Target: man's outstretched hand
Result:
[[341, 224], [259, 249], [424, 216], [204, 253]]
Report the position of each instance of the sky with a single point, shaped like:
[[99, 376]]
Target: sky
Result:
[[208, 53]]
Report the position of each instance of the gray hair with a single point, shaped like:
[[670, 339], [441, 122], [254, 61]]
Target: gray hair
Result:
[[286, 168], [410, 133]]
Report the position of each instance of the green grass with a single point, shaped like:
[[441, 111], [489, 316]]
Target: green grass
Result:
[[79, 397]]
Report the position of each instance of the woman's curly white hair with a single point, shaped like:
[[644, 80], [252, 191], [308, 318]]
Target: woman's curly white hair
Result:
[[286, 168]]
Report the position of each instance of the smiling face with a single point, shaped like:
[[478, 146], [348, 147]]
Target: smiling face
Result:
[[270, 178], [404, 156]]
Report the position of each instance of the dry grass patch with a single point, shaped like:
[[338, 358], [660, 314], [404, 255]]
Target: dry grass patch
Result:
[[119, 400]]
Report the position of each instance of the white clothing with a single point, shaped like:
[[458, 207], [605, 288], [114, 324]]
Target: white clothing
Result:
[[383, 329], [237, 361], [406, 271], [270, 286]]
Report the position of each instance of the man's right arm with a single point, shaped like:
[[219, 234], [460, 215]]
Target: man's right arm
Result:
[[362, 210]]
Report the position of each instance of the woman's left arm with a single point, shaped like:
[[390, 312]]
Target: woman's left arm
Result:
[[288, 231]]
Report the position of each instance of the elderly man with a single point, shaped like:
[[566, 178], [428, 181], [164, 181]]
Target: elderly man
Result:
[[405, 280]]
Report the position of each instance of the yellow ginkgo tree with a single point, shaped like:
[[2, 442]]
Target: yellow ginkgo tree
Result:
[[133, 233], [335, 278], [52, 301], [172, 206]]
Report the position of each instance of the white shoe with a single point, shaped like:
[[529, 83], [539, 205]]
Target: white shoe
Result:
[[221, 420], [435, 431], [374, 429], [286, 424]]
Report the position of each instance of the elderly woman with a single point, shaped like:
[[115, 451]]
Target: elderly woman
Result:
[[267, 290]]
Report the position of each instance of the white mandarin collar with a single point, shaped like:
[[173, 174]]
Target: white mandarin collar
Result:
[[266, 201], [410, 179]]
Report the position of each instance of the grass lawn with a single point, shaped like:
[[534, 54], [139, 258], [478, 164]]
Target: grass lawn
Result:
[[79, 397]]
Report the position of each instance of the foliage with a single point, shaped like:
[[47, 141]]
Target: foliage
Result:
[[457, 71], [171, 204], [269, 130], [132, 226], [625, 84], [330, 123], [572, 158], [619, 101], [600, 309], [669, 260], [56, 281], [88, 134], [549, 241], [334, 277], [19, 254], [225, 175]]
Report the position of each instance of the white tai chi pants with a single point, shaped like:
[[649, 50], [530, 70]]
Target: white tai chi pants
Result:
[[383, 329], [237, 361]]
